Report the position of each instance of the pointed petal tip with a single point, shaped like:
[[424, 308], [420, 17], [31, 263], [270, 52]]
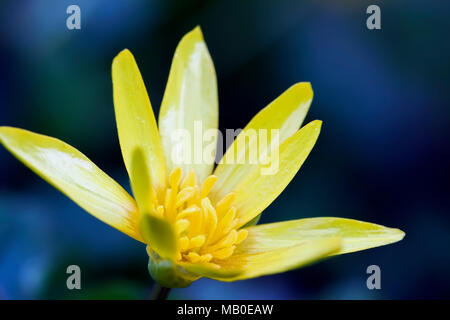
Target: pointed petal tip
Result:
[[316, 123], [401, 234], [6, 131], [125, 51], [124, 54], [195, 34], [303, 89]]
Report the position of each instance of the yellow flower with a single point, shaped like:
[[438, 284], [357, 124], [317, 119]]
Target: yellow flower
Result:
[[196, 224]]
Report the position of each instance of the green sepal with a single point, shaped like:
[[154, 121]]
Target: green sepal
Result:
[[166, 273]]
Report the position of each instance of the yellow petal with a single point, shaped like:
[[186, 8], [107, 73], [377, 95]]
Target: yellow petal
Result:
[[278, 247], [257, 257], [257, 190], [286, 114], [157, 232], [136, 122], [76, 176], [190, 100], [355, 235]]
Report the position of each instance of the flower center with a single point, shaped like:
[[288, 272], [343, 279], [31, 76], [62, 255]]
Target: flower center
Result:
[[206, 233]]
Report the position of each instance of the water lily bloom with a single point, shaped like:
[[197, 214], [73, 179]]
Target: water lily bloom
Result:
[[197, 221]]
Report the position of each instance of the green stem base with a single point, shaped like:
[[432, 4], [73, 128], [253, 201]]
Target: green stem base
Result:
[[159, 292]]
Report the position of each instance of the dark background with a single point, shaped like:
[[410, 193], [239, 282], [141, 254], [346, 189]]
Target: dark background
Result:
[[383, 154]]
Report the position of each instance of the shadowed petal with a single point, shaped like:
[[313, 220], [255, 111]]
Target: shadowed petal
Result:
[[157, 232]]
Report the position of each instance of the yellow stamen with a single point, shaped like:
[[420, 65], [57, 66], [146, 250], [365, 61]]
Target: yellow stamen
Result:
[[160, 211], [183, 243], [223, 253], [206, 233], [184, 195], [175, 178], [207, 186], [197, 241], [188, 212], [193, 257], [226, 241], [190, 180], [182, 225], [224, 204], [241, 236]]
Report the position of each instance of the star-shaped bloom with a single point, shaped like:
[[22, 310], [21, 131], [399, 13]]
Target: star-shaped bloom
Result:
[[198, 221]]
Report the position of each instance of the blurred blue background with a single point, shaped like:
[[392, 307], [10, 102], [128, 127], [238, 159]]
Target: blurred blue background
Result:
[[383, 154]]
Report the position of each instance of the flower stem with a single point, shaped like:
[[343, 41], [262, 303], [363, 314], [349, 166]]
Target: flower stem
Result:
[[159, 292]]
